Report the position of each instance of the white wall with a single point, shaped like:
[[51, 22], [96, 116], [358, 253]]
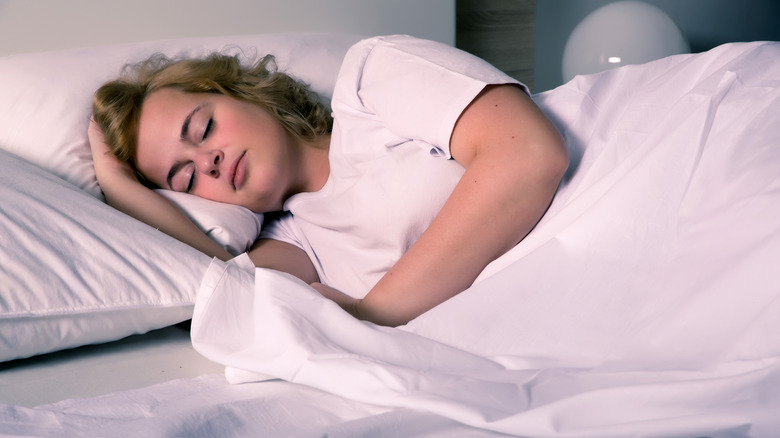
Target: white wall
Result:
[[37, 25]]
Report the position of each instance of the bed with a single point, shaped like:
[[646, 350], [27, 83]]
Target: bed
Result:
[[645, 303]]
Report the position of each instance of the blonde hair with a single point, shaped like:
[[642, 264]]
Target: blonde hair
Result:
[[116, 106]]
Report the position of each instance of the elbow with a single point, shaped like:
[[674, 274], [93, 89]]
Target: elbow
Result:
[[389, 314], [555, 163], [561, 163], [379, 318]]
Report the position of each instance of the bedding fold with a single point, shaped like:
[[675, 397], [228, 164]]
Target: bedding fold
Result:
[[645, 302]]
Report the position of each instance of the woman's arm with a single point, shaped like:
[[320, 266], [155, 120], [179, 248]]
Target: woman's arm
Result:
[[285, 257], [514, 160], [124, 192]]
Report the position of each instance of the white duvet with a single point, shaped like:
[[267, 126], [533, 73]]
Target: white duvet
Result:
[[647, 301]]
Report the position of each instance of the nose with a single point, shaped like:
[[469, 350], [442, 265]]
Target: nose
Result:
[[210, 161]]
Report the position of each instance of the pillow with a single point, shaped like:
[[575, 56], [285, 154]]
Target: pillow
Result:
[[76, 271], [46, 98], [234, 227]]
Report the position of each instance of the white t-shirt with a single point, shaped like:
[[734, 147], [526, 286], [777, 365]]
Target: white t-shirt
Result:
[[395, 104]]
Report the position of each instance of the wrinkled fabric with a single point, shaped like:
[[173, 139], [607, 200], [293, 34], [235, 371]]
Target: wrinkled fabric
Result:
[[644, 303]]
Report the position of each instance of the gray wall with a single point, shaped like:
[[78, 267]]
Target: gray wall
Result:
[[27, 26], [706, 24]]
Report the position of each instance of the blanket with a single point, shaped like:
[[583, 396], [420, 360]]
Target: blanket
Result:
[[646, 301]]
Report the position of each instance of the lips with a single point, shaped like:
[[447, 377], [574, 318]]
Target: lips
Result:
[[238, 172]]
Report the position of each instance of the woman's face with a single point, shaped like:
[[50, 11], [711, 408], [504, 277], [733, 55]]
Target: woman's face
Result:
[[215, 147]]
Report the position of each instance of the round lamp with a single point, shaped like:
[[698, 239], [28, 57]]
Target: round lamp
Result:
[[621, 33]]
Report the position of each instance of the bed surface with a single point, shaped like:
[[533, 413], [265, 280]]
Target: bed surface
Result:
[[156, 384], [134, 362]]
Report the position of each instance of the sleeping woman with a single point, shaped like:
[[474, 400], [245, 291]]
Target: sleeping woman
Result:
[[431, 165]]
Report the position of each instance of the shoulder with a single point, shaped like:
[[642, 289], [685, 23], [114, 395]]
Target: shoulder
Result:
[[402, 52], [398, 62]]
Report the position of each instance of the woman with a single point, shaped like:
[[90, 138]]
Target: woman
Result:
[[435, 165]]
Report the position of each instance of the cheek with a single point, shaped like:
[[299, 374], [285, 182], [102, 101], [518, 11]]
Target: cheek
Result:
[[208, 189]]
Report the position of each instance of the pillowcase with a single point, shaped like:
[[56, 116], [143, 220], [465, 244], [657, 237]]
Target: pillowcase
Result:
[[234, 227], [76, 271]]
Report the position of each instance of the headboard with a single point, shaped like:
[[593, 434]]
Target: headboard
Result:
[[53, 24]]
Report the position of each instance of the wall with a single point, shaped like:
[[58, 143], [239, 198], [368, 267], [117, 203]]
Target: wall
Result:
[[706, 24], [499, 31], [55, 24]]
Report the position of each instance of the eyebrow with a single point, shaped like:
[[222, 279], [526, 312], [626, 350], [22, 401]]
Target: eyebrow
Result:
[[185, 129]]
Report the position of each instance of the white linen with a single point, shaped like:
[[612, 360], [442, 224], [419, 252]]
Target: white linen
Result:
[[645, 302], [95, 370], [234, 227], [207, 407], [74, 271]]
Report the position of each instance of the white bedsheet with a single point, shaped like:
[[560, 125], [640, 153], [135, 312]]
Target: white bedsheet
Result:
[[207, 406], [646, 303], [94, 370]]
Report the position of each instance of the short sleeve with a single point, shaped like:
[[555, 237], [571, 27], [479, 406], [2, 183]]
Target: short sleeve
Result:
[[282, 228], [416, 88]]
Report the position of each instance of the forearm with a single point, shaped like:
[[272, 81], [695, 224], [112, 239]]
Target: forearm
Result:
[[284, 257], [514, 159], [490, 211], [124, 192], [151, 208]]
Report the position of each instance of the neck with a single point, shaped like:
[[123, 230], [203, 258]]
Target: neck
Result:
[[314, 164]]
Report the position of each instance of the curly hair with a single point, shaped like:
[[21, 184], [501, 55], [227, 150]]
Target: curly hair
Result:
[[116, 105]]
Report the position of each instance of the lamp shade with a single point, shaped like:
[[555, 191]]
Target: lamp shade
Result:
[[621, 33]]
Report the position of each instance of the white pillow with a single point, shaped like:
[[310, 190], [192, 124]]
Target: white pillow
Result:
[[45, 98], [76, 271], [234, 227]]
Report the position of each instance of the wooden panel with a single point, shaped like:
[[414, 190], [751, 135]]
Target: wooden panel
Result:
[[499, 31]]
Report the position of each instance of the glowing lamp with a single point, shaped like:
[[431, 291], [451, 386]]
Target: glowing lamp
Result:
[[621, 33]]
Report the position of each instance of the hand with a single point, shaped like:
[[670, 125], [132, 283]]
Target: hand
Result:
[[103, 159], [346, 302], [96, 139]]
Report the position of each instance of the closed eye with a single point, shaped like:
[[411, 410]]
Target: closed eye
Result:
[[207, 129], [181, 177], [191, 182]]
